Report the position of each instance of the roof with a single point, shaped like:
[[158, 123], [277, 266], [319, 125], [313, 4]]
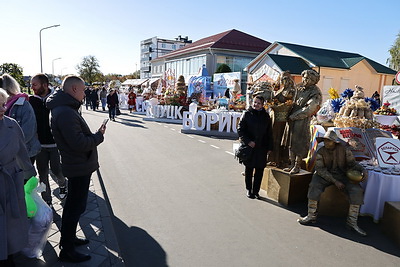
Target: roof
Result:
[[332, 58], [232, 40], [134, 82], [293, 64]]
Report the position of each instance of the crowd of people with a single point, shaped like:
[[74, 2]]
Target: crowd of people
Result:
[[45, 134], [112, 99], [31, 143]]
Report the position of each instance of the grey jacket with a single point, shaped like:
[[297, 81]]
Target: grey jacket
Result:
[[77, 144], [14, 167], [23, 113]]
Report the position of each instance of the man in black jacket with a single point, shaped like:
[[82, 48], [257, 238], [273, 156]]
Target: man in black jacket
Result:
[[49, 152], [78, 149]]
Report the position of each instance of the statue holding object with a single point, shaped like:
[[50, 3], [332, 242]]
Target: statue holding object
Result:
[[307, 101]]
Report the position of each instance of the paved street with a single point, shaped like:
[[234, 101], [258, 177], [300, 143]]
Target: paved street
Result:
[[179, 200]]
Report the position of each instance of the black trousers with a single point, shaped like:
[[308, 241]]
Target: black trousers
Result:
[[253, 185], [75, 205]]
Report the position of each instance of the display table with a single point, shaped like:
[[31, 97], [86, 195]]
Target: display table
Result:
[[379, 188]]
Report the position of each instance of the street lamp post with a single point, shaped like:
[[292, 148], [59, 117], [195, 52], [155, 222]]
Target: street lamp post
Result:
[[52, 65], [62, 71], [40, 44]]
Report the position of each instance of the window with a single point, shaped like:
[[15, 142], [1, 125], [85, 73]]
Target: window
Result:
[[163, 45], [173, 46], [344, 83]]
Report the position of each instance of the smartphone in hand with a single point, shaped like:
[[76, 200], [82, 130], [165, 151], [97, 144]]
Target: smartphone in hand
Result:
[[105, 122]]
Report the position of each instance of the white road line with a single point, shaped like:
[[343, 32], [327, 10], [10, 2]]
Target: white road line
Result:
[[230, 153], [201, 141], [165, 126], [190, 136], [159, 123], [172, 129], [214, 146]]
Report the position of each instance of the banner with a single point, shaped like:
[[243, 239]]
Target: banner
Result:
[[223, 81], [361, 142], [272, 73], [169, 78], [391, 94], [200, 84]]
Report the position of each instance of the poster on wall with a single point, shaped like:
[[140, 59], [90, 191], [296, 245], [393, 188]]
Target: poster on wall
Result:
[[223, 81], [391, 94]]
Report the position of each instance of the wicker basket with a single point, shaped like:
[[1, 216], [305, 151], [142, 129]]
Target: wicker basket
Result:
[[281, 111]]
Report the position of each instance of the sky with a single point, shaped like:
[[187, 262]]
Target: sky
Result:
[[112, 30]]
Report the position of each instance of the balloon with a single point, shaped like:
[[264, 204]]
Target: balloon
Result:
[[31, 207]]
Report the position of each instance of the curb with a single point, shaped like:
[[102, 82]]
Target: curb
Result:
[[109, 233]]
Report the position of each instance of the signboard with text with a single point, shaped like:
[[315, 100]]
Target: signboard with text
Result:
[[361, 142], [391, 94], [388, 152]]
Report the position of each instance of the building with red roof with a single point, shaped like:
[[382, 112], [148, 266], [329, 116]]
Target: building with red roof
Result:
[[234, 48]]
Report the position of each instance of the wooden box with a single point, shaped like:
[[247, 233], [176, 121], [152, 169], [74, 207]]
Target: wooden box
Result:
[[285, 188], [333, 202], [391, 221]]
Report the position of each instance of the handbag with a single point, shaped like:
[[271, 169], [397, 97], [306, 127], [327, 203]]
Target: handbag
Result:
[[118, 111], [243, 153]]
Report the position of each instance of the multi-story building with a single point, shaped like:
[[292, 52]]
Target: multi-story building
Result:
[[155, 47]]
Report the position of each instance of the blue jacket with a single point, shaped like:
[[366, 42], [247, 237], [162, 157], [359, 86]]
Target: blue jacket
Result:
[[23, 113]]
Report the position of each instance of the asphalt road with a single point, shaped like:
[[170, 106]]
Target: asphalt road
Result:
[[179, 200]]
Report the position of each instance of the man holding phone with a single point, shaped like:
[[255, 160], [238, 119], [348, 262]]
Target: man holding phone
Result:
[[78, 150]]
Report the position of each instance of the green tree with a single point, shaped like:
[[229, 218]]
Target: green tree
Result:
[[394, 60], [223, 68], [134, 75], [89, 69], [15, 71]]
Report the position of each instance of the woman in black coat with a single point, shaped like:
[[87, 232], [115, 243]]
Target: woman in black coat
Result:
[[255, 130]]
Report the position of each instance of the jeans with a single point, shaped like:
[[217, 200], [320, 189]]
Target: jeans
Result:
[[104, 103], [75, 205], [111, 112], [49, 155]]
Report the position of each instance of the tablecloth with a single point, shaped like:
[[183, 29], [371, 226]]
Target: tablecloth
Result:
[[379, 188]]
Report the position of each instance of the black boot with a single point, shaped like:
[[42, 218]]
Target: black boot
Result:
[[73, 256]]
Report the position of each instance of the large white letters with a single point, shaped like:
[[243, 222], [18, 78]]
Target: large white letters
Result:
[[164, 111], [202, 121]]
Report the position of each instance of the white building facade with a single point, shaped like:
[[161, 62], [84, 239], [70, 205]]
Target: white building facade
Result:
[[155, 47]]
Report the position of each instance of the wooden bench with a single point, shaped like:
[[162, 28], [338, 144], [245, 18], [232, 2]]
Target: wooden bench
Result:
[[391, 221]]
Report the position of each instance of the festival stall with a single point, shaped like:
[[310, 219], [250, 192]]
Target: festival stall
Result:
[[170, 100]]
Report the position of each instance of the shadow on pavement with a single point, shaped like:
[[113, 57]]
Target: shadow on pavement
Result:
[[337, 226], [137, 247]]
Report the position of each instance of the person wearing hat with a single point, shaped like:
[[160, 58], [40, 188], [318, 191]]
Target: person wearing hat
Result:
[[333, 163]]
